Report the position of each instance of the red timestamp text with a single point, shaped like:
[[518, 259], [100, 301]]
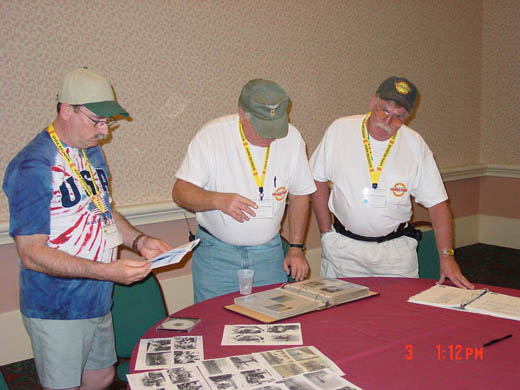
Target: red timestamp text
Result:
[[459, 352], [451, 352]]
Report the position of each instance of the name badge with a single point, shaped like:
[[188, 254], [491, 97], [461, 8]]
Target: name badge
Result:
[[265, 208], [113, 237], [374, 197]]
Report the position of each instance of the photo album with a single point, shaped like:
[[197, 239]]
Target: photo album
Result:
[[296, 298]]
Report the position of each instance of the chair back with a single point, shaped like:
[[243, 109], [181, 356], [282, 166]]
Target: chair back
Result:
[[3, 383], [428, 256], [135, 309]]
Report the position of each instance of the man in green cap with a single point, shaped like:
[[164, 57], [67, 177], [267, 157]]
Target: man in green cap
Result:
[[67, 236], [236, 176]]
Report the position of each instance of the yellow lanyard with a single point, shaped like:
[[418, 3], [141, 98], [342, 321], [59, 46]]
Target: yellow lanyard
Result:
[[374, 174], [96, 197], [245, 144]]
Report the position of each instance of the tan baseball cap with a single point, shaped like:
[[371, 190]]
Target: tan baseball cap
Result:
[[90, 89]]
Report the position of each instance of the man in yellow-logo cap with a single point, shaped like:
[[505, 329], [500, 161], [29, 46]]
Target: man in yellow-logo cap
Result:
[[376, 163]]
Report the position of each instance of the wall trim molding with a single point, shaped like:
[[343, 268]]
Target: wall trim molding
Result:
[[149, 213], [480, 170]]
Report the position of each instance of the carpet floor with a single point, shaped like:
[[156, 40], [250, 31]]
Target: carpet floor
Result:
[[480, 263]]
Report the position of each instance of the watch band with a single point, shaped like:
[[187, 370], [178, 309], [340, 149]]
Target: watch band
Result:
[[447, 252], [297, 246]]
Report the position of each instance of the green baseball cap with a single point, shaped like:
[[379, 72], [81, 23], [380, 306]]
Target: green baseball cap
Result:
[[267, 103], [90, 89]]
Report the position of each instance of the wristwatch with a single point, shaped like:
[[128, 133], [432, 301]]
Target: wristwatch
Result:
[[447, 252], [297, 246]]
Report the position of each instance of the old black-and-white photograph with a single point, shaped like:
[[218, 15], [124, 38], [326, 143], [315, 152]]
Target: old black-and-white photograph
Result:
[[185, 342], [180, 375], [217, 366], [314, 364], [314, 284], [158, 359], [289, 369], [186, 357], [244, 362], [276, 357], [152, 379], [284, 328], [225, 382], [325, 379], [195, 385], [159, 345], [302, 353], [257, 376], [297, 383], [246, 329]]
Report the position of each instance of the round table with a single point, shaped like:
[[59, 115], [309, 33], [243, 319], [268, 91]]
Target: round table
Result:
[[384, 342]]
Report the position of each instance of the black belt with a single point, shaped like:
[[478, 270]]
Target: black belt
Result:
[[403, 229], [205, 230]]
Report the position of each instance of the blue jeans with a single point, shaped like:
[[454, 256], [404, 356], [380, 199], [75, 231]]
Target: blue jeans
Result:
[[215, 265]]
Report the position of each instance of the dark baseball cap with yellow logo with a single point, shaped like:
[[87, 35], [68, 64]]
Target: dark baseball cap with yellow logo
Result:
[[399, 90], [267, 103]]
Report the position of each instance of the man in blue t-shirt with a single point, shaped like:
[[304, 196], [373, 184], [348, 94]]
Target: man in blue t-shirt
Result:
[[67, 236]]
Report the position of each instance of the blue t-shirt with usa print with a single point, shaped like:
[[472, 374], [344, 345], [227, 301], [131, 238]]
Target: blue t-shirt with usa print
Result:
[[45, 197]]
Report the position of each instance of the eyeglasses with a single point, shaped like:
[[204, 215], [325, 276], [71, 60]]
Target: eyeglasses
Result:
[[111, 123], [382, 113]]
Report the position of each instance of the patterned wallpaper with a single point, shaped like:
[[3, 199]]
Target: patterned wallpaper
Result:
[[178, 64], [500, 104]]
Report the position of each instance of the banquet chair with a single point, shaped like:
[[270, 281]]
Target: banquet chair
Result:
[[3, 383], [136, 309], [428, 256]]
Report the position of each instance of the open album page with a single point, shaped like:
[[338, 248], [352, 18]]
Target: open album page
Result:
[[497, 305], [445, 296], [278, 303]]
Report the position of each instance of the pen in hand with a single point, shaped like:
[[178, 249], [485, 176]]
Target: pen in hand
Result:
[[497, 340]]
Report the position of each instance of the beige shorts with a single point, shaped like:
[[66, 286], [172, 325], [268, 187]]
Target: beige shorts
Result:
[[63, 349]]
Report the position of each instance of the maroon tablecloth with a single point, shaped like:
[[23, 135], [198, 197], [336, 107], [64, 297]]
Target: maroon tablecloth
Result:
[[384, 342]]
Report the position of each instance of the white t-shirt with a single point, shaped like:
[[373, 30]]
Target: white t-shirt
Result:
[[217, 161], [409, 170]]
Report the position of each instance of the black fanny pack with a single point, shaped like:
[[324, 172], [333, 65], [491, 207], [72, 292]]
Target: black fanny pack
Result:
[[404, 229]]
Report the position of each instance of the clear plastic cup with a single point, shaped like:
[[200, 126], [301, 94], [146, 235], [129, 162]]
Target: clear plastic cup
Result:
[[245, 280]]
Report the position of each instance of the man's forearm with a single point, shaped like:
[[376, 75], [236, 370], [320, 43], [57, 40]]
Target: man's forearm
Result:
[[192, 197], [441, 221], [37, 256], [299, 210], [320, 205], [127, 230]]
